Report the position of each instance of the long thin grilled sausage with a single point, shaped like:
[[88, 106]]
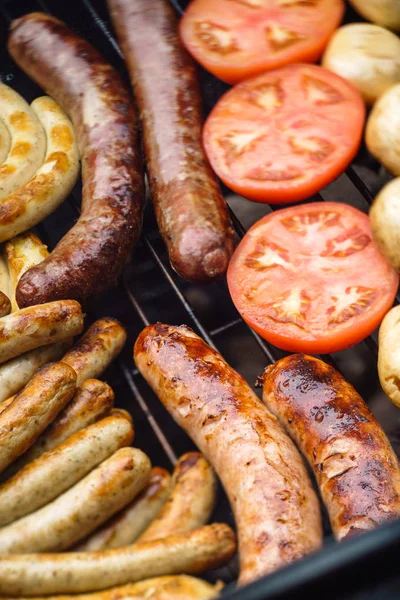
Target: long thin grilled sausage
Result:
[[16, 372], [194, 552], [33, 409], [81, 509], [59, 469], [126, 527], [191, 212], [37, 326], [93, 401], [356, 468], [276, 510], [191, 500], [100, 345], [170, 587], [90, 257]]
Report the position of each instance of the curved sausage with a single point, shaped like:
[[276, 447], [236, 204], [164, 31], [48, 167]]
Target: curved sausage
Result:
[[191, 212], [81, 509], [276, 510], [92, 401], [194, 552], [57, 470], [37, 405], [28, 141], [37, 326], [355, 466], [100, 345], [52, 182], [172, 587], [90, 257], [191, 500], [125, 528]]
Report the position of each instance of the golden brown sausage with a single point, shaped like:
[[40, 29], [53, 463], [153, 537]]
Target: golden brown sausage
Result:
[[191, 500], [36, 326], [355, 466], [81, 509], [100, 345], [172, 587], [33, 409], [57, 470], [276, 510], [125, 528], [194, 552]]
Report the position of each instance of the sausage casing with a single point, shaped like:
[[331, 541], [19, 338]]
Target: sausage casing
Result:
[[90, 257], [355, 466], [276, 510], [191, 212]]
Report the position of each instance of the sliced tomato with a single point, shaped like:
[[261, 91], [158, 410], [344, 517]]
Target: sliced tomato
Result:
[[311, 279], [234, 39], [281, 137]]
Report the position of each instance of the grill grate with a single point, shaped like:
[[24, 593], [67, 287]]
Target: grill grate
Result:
[[150, 291]]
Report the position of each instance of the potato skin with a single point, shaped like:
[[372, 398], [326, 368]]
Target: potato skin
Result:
[[384, 217]]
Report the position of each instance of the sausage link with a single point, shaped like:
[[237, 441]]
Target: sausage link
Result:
[[100, 345], [125, 528], [93, 401], [37, 326], [172, 587], [191, 212], [90, 257], [194, 552], [16, 372], [356, 468], [59, 469], [191, 501], [33, 409], [276, 510], [81, 509]]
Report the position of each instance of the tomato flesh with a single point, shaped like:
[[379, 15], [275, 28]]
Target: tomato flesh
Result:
[[311, 278], [283, 136], [235, 39]]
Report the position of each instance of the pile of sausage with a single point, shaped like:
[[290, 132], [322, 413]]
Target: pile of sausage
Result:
[[255, 447], [70, 480]]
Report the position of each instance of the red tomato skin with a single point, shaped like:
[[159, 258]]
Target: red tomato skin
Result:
[[304, 190]]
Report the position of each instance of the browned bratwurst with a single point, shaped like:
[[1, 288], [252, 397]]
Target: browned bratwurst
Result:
[[90, 257], [276, 510], [190, 210], [355, 466]]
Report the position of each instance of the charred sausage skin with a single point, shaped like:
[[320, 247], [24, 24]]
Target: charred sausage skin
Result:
[[276, 510], [191, 212], [355, 466], [90, 257]]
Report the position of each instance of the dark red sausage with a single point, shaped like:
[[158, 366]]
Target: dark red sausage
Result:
[[90, 257], [355, 466], [191, 212]]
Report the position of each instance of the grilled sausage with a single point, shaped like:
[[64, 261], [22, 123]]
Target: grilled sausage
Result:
[[57, 470], [193, 552], [190, 209], [125, 528], [33, 409], [172, 587], [100, 345], [275, 507], [53, 181], [23, 252], [37, 326], [81, 509], [5, 142], [191, 501], [28, 141], [356, 468], [89, 258], [93, 401]]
